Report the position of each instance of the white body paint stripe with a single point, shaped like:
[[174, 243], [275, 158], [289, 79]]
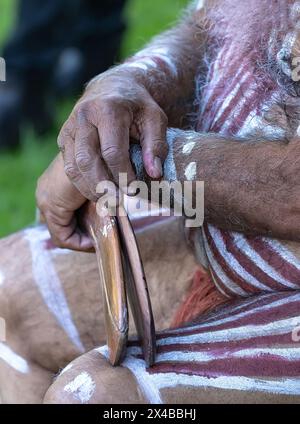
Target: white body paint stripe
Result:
[[13, 359], [220, 62], [161, 52], [49, 284], [240, 333], [231, 97], [288, 386], [1, 278], [145, 63], [148, 62], [244, 246], [235, 309], [234, 317], [145, 59], [219, 272], [151, 384], [137, 367], [137, 65], [235, 112], [283, 252], [232, 262], [289, 354], [216, 283]]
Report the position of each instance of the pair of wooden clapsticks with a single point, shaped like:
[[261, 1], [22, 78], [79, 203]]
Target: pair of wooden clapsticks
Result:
[[123, 277]]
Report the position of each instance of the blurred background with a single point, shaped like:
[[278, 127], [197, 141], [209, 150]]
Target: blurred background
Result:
[[25, 155]]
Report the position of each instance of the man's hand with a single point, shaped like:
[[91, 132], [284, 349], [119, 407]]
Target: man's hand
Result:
[[58, 200], [95, 147], [95, 139], [129, 103]]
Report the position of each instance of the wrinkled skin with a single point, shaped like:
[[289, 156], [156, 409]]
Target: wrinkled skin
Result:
[[128, 103], [108, 111], [260, 165]]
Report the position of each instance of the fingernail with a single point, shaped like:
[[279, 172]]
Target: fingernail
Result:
[[157, 167]]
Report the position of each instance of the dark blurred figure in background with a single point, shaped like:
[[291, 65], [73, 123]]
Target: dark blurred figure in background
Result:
[[57, 46]]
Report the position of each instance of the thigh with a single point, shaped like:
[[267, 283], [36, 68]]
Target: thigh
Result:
[[51, 298]]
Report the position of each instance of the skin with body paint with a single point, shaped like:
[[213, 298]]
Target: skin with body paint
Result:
[[131, 93], [246, 152], [50, 315], [173, 378]]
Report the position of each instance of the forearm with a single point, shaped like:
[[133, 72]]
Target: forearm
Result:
[[167, 66], [250, 186]]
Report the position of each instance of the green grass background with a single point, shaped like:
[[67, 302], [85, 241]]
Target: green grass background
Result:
[[20, 170]]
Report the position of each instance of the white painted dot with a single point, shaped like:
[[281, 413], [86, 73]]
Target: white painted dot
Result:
[[82, 387], [190, 171], [1, 278], [188, 148], [298, 131]]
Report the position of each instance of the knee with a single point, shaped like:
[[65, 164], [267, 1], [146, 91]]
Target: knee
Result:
[[90, 379]]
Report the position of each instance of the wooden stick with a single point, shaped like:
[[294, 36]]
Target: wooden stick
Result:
[[122, 273], [104, 231]]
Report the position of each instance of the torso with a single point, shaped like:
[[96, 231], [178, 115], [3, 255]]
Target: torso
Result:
[[249, 92]]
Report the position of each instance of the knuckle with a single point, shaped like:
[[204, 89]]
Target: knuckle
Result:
[[83, 161], [162, 117], [87, 112], [40, 195], [82, 109], [160, 148], [40, 202], [71, 171], [158, 116], [111, 155], [68, 128], [61, 141], [113, 105]]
